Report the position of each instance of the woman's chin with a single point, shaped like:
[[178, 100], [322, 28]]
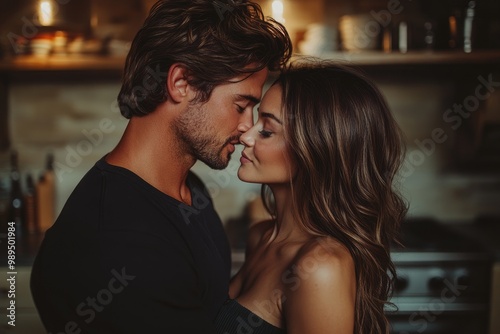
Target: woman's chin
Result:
[[246, 178]]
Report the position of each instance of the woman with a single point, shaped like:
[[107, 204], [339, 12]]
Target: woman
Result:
[[327, 147]]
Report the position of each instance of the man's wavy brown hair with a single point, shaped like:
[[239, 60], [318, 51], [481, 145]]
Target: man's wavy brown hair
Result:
[[216, 40]]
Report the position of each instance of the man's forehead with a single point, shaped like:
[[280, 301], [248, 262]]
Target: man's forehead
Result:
[[249, 87], [248, 97], [250, 76]]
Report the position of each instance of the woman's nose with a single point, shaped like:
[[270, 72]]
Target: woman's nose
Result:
[[247, 138]]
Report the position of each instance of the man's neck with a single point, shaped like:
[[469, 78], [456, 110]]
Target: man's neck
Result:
[[149, 148]]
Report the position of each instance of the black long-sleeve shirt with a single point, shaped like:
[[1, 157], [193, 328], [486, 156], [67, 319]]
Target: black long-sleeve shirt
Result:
[[123, 257]]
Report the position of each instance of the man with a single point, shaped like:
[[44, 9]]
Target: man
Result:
[[138, 247]]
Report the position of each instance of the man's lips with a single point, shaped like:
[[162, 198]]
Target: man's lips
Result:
[[232, 144]]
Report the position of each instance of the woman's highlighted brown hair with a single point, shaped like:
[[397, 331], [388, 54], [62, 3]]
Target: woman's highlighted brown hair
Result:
[[347, 149]]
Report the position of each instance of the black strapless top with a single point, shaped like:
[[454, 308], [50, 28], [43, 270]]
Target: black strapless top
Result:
[[234, 318]]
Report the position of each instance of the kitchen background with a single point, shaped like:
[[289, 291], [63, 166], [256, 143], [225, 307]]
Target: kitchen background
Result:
[[437, 63]]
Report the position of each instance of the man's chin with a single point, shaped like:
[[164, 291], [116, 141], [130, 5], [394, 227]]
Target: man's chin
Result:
[[217, 161], [218, 164]]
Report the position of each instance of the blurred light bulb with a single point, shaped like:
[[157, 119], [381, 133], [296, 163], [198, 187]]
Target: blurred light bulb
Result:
[[278, 10], [46, 12]]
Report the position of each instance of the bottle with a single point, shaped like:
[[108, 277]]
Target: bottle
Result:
[[45, 196], [16, 198], [429, 38], [469, 26], [403, 37], [30, 216], [454, 24], [387, 39]]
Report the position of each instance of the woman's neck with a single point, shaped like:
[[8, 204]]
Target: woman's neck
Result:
[[288, 228]]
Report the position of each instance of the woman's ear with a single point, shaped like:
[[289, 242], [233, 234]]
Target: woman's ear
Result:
[[177, 83]]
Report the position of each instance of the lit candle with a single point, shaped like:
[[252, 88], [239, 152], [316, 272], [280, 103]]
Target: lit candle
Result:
[[278, 10]]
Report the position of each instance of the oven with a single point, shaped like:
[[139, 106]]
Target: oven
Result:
[[443, 283]]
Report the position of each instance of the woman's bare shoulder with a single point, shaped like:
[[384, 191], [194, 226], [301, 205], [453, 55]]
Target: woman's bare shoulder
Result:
[[324, 256], [325, 247], [321, 296]]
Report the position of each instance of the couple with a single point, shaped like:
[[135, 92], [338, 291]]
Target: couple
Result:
[[138, 247]]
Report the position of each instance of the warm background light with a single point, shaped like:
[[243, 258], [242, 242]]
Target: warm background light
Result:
[[46, 12], [278, 10]]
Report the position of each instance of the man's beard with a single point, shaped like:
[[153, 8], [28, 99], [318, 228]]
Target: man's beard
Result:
[[199, 140]]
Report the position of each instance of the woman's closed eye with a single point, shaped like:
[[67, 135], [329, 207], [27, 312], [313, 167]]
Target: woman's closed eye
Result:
[[265, 133]]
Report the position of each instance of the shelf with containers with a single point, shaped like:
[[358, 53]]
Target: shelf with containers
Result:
[[16, 66]]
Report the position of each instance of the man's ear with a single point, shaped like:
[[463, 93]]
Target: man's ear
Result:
[[177, 83]]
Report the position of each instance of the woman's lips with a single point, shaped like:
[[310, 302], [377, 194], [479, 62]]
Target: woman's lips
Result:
[[244, 158]]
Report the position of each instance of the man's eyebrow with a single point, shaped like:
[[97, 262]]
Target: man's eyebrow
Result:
[[269, 115], [250, 98]]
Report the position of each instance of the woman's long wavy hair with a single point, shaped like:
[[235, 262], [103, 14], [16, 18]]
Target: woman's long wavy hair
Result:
[[347, 149]]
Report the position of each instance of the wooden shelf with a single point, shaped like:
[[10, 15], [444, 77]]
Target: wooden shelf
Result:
[[62, 63], [379, 58], [70, 63]]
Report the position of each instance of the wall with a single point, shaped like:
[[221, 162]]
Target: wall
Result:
[[80, 123], [432, 182], [74, 121]]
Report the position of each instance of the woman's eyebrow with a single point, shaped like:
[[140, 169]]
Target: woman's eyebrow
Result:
[[269, 115]]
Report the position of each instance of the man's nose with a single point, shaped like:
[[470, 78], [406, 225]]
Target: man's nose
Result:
[[246, 121]]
